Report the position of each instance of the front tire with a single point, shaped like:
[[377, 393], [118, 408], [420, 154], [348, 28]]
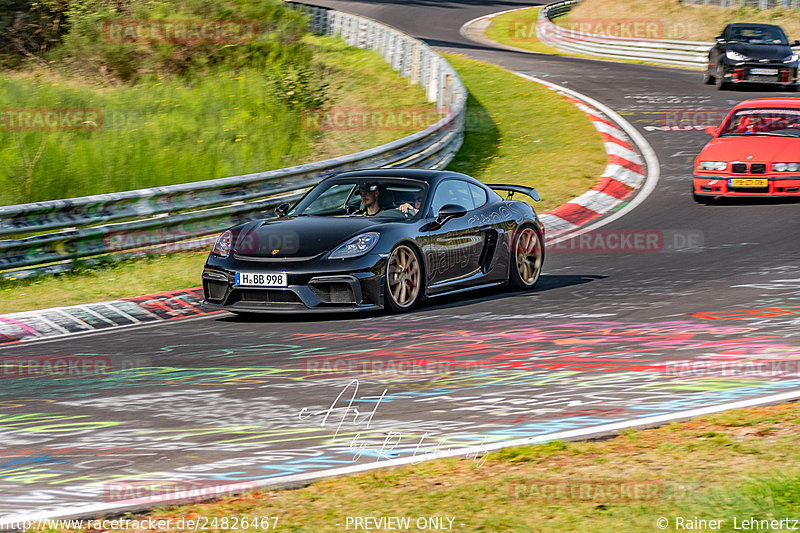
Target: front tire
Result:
[[703, 200], [719, 79], [403, 286], [708, 78], [527, 256]]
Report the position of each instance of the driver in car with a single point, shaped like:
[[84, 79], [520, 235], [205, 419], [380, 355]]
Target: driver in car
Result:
[[369, 198], [769, 37], [411, 209]]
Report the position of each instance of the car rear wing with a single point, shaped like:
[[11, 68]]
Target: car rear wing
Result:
[[511, 189]]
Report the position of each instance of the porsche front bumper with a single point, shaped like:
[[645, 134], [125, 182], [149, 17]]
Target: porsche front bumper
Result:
[[316, 285]]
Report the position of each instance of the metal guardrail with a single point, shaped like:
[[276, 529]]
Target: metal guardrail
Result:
[[673, 52], [119, 222], [692, 54]]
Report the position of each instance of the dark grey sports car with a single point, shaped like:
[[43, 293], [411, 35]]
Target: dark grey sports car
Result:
[[752, 53], [373, 239]]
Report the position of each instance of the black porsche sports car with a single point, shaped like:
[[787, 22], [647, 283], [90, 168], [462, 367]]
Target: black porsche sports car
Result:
[[372, 239], [752, 53]]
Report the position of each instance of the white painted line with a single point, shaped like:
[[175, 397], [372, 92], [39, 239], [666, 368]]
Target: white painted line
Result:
[[556, 224], [40, 340], [304, 479], [597, 201], [653, 169], [623, 175], [617, 133], [624, 153], [121, 313], [592, 112], [55, 325]]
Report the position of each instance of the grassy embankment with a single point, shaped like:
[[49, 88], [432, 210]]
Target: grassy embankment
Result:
[[517, 132], [166, 112], [738, 464], [669, 19], [176, 130]]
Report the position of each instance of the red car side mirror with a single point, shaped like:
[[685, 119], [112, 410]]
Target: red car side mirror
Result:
[[712, 130]]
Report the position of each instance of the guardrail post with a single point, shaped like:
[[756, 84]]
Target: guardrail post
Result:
[[414, 66], [433, 84]]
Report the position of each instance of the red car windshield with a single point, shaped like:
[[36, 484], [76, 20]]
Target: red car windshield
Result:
[[769, 122]]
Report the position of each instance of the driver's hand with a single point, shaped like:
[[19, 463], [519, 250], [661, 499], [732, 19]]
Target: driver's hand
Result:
[[407, 208]]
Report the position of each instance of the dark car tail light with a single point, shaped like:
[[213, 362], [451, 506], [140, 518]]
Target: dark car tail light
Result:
[[738, 74], [784, 76]]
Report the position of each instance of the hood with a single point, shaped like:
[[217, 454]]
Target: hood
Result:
[[763, 149], [754, 52], [304, 236]]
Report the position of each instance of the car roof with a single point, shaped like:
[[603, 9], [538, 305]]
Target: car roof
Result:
[[752, 25], [762, 103], [421, 174]]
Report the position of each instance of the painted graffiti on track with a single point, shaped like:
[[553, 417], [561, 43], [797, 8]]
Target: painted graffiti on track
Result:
[[218, 412]]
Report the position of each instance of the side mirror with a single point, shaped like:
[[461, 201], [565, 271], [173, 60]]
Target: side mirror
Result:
[[449, 211], [712, 130], [796, 43], [283, 209]]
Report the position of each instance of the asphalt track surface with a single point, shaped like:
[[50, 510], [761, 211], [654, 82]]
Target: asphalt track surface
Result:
[[606, 337]]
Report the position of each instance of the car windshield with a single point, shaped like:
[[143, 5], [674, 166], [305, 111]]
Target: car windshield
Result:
[[759, 35], [767, 122], [398, 198]]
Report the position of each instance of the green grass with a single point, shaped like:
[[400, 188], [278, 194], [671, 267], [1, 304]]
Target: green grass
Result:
[[176, 130], [119, 279], [518, 28], [742, 475], [522, 133], [517, 132]]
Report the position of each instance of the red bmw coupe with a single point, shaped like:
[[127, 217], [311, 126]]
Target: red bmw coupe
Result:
[[755, 152]]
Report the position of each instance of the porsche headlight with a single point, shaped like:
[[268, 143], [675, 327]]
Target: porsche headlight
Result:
[[735, 56], [712, 165], [786, 167], [223, 245], [791, 59], [355, 247]]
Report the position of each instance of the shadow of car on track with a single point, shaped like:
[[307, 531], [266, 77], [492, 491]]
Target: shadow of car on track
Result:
[[546, 283]]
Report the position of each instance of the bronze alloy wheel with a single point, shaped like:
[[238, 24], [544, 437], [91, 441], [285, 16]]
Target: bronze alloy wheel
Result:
[[403, 278], [529, 256]]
